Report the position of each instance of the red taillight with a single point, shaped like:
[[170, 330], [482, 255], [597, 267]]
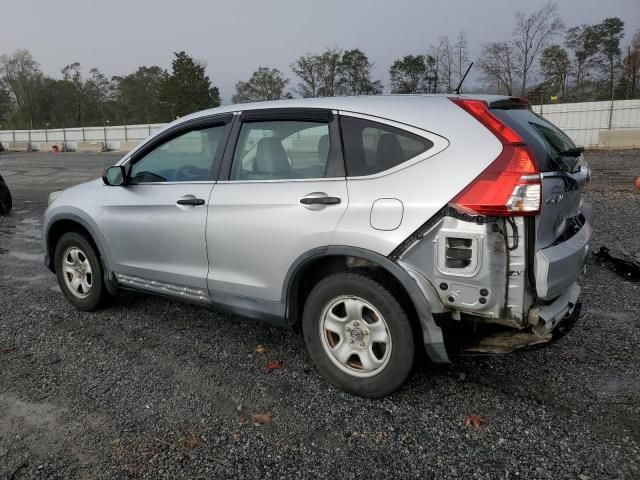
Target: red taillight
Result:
[[510, 186]]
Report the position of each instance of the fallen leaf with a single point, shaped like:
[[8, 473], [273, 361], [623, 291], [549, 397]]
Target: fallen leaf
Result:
[[260, 418], [274, 365], [474, 421], [7, 350], [191, 441], [260, 349]]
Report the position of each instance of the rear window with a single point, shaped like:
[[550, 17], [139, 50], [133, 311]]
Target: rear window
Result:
[[372, 147], [546, 140]]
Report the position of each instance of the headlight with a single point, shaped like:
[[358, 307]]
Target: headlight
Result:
[[53, 196]]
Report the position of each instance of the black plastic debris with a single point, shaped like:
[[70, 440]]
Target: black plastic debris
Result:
[[629, 269]]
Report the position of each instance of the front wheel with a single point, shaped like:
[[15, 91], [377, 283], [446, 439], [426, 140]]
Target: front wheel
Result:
[[358, 334], [79, 272]]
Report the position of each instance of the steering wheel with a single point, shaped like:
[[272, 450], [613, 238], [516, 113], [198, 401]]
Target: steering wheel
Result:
[[187, 172]]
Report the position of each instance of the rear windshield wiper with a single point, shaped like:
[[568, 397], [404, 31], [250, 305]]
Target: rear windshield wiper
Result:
[[571, 152]]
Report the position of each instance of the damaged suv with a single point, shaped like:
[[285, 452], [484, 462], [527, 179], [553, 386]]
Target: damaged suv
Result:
[[380, 224]]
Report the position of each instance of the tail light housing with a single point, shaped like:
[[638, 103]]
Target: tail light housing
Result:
[[511, 185]]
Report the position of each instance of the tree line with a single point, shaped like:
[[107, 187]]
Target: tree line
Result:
[[546, 60], [589, 63]]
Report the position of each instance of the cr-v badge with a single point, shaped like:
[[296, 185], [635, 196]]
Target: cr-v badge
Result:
[[554, 198]]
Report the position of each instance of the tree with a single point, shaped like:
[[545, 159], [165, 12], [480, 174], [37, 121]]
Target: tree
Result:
[[555, 65], [609, 33], [72, 73], [531, 35], [582, 41], [498, 66], [631, 65], [308, 70], [6, 106], [21, 75], [137, 95], [329, 63], [408, 74], [432, 67], [461, 55], [447, 63], [354, 74], [188, 88], [264, 84]]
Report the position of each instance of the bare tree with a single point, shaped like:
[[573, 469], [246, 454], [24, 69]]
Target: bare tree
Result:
[[532, 33], [446, 64], [461, 54], [498, 66], [318, 74]]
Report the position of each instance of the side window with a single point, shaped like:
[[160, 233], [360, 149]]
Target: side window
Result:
[[372, 147], [186, 158], [282, 149]]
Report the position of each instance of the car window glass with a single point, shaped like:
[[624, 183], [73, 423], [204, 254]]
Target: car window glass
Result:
[[372, 147], [277, 150], [186, 158]]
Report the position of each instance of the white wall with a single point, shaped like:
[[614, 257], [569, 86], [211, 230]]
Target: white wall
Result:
[[71, 136], [583, 121]]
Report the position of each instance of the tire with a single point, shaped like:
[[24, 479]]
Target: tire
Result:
[[77, 264], [345, 319], [6, 201]]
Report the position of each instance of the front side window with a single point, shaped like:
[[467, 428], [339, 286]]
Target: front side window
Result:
[[372, 147], [188, 157], [282, 149]]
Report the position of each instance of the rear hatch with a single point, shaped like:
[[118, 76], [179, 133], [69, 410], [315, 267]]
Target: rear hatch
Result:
[[562, 230]]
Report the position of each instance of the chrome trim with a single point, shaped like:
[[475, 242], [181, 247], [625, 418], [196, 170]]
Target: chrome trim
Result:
[[199, 295]]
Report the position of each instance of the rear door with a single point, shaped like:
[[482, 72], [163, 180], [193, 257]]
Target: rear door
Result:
[[284, 194]]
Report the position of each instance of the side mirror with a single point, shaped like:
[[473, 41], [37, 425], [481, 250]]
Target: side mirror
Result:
[[114, 176]]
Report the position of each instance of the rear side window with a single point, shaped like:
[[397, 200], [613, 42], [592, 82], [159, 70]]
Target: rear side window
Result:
[[547, 140], [372, 147]]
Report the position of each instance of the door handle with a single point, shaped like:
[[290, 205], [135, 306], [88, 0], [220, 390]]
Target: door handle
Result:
[[320, 200], [190, 201]]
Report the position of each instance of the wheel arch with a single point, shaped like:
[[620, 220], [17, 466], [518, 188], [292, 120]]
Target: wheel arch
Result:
[[318, 263], [63, 223]]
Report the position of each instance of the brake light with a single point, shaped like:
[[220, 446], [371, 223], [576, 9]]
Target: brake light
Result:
[[511, 185]]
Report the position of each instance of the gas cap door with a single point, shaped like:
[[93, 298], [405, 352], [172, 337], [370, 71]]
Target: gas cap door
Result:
[[386, 214]]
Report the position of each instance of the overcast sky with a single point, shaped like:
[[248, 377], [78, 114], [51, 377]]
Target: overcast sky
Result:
[[236, 37]]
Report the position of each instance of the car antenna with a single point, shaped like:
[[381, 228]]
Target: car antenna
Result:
[[457, 90]]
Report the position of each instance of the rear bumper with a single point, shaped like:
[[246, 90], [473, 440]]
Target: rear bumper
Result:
[[558, 267], [547, 317]]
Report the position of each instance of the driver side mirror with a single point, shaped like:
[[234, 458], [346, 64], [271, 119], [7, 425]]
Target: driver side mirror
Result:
[[114, 176]]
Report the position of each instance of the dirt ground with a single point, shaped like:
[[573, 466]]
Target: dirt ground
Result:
[[152, 388]]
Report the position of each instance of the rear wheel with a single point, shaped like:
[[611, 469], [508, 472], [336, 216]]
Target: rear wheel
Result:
[[358, 334], [79, 272]]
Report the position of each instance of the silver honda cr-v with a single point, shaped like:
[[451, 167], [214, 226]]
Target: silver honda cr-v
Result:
[[382, 225]]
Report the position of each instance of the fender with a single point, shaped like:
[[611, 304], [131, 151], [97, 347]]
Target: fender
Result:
[[109, 279], [431, 333]]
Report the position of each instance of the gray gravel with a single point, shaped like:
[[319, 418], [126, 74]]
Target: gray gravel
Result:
[[151, 388]]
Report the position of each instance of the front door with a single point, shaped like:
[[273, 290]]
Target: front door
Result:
[[155, 224], [284, 196]]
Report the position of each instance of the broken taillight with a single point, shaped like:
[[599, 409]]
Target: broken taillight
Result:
[[511, 185]]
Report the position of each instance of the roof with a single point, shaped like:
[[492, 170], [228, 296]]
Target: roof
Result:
[[359, 103]]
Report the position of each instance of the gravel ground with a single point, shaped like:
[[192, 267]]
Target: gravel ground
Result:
[[151, 388]]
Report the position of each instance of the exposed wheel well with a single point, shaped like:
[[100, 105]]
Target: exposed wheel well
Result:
[[314, 270]]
